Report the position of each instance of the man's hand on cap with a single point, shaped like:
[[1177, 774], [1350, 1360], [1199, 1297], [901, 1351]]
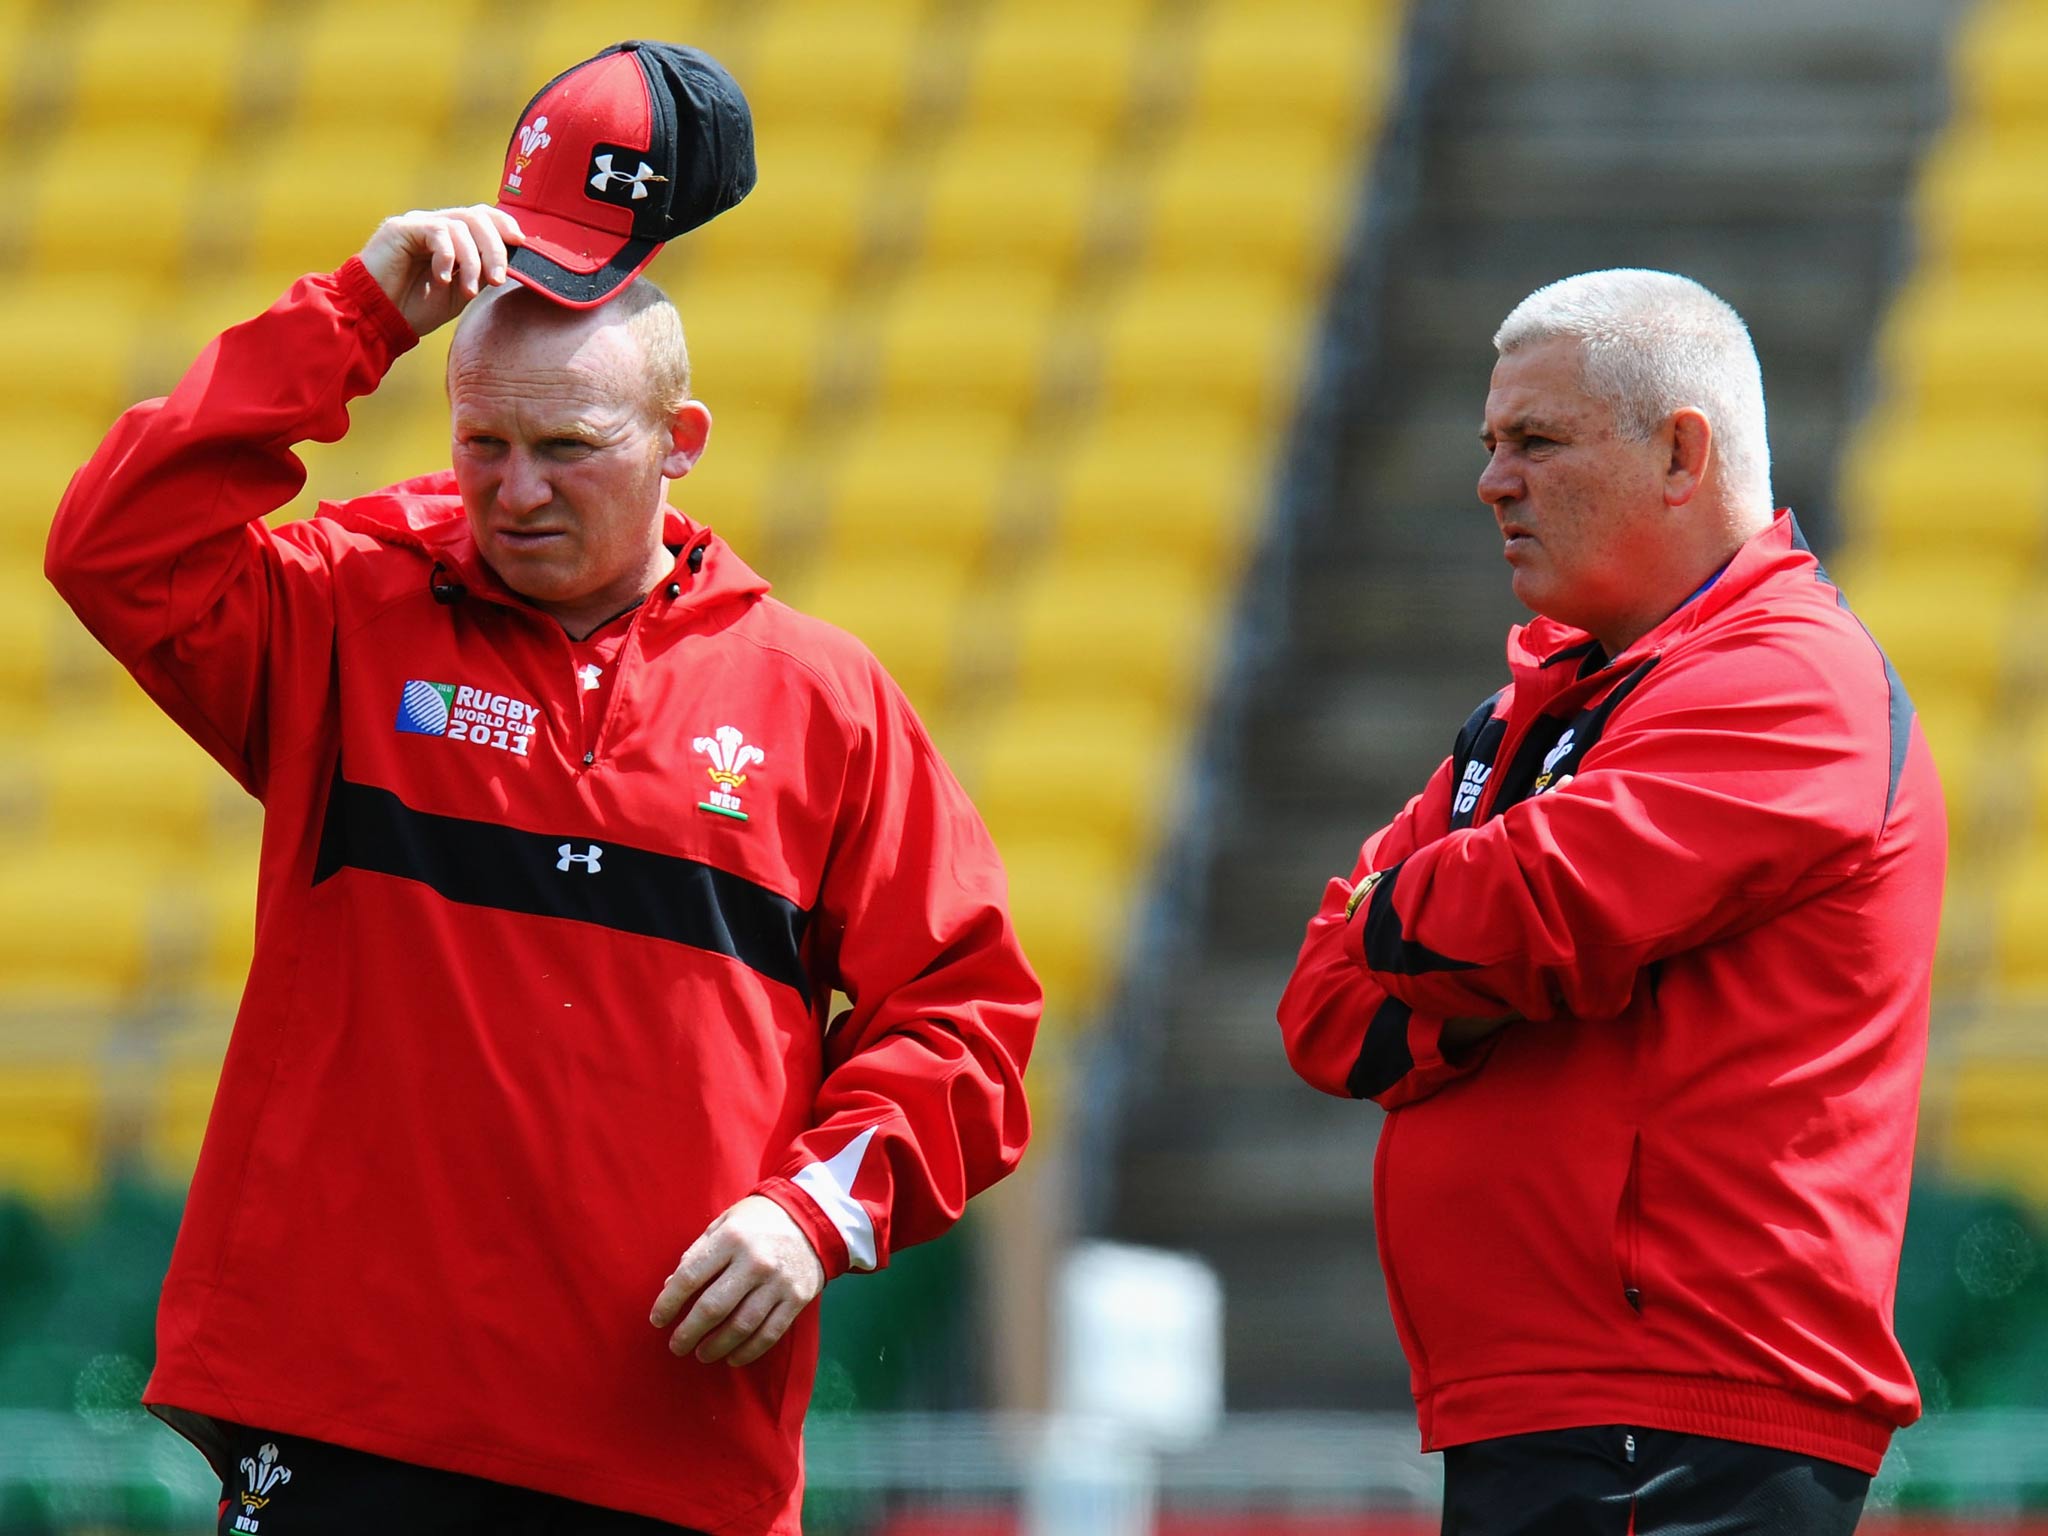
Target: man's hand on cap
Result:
[[752, 1272], [432, 263]]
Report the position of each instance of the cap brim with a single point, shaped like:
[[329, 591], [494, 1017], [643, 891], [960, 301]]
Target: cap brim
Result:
[[574, 264]]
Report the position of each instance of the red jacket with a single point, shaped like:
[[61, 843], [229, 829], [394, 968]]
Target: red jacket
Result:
[[1707, 876], [527, 1009]]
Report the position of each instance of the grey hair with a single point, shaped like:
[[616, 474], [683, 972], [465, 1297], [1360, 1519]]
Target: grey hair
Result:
[[1650, 344]]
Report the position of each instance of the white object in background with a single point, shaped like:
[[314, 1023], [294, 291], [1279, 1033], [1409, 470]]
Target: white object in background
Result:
[[1089, 1480], [1140, 1344]]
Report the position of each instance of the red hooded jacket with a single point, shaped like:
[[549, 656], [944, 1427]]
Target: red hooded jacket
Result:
[[1706, 875], [529, 1009]]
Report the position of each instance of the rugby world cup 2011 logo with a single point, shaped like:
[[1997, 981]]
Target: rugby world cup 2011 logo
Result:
[[730, 758], [423, 708]]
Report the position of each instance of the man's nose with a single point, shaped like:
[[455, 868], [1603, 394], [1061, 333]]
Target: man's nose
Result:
[[523, 487], [1498, 482]]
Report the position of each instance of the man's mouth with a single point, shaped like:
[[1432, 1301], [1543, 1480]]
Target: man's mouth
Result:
[[528, 537]]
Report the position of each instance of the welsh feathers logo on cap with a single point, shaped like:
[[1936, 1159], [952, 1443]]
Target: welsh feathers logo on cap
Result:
[[650, 141], [531, 139]]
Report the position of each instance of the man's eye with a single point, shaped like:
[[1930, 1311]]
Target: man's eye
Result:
[[481, 440]]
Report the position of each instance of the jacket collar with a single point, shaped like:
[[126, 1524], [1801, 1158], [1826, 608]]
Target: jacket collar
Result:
[[424, 514], [1546, 644]]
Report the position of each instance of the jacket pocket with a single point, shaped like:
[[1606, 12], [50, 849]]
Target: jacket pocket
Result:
[[1628, 1229]]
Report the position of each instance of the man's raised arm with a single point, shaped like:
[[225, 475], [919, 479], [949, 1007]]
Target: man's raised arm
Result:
[[159, 545]]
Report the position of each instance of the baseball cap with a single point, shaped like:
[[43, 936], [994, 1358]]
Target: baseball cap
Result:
[[618, 155]]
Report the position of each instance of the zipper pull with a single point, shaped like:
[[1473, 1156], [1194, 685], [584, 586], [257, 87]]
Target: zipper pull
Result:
[[1628, 1448]]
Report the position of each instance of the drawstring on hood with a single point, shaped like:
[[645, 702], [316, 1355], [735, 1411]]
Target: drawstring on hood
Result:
[[446, 589]]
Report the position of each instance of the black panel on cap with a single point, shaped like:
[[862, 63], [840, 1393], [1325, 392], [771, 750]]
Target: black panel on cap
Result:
[[583, 287], [701, 113]]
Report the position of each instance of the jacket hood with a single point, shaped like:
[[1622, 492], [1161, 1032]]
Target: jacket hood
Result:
[[425, 514], [1542, 641]]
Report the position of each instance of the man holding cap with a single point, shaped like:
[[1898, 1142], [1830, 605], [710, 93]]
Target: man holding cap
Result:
[[571, 834]]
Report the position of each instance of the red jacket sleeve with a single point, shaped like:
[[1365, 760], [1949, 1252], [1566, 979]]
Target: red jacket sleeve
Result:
[[1345, 1032], [1733, 781], [922, 1104], [159, 544]]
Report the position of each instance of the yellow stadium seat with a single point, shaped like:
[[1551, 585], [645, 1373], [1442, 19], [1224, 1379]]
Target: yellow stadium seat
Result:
[[70, 919], [49, 1128], [1038, 62], [841, 68], [757, 338], [68, 230], [46, 656], [316, 195], [1955, 346], [552, 38], [732, 489], [1322, 64], [224, 894], [1171, 484], [906, 610], [966, 340], [1242, 200], [28, 499], [1070, 898], [922, 483], [1996, 1130], [350, 75], [1050, 768], [1948, 626], [105, 784], [810, 212], [1126, 629], [1983, 201], [1958, 729], [1212, 341], [1977, 484], [68, 343], [150, 67], [184, 1101], [2000, 60], [1014, 198], [463, 166]]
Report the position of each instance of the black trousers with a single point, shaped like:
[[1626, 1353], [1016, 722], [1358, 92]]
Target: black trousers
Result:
[[287, 1485], [1614, 1480]]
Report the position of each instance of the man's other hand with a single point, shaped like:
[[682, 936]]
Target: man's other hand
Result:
[[752, 1272], [431, 264]]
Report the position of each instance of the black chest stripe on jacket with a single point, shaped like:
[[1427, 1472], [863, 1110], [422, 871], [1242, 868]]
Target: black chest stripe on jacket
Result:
[[609, 884]]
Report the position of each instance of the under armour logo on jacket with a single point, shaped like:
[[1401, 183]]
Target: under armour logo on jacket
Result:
[[605, 176], [589, 860]]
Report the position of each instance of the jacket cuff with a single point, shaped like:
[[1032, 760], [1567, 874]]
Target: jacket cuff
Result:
[[369, 299], [811, 1221]]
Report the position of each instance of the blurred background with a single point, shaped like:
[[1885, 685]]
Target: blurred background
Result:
[[1113, 368]]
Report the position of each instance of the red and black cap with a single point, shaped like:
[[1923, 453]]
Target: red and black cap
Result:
[[618, 155]]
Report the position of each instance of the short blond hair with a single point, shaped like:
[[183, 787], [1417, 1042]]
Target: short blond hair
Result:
[[651, 315]]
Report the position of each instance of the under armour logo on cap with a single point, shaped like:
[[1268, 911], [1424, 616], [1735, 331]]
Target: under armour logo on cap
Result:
[[671, 114], [604, 179]]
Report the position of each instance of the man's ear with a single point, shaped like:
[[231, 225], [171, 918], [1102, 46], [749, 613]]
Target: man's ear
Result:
[[1692, 449], [689, 429]]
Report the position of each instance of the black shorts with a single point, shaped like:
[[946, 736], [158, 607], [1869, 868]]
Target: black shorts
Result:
[[1614, 1480], [287, 1485]]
